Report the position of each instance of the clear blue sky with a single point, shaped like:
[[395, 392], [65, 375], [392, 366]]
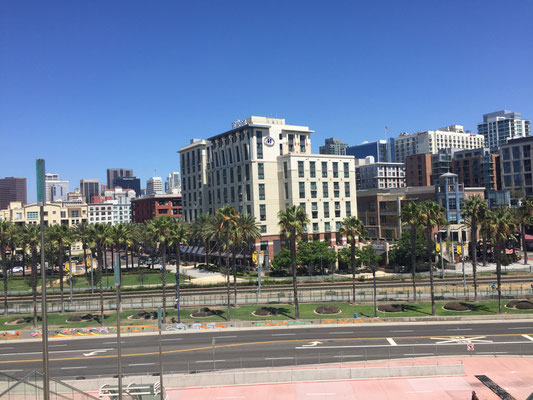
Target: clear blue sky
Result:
[[90, 85]]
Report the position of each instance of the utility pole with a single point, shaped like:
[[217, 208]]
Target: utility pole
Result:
[[463, 259], [41, 197], [441, 257], [160, 327], [70, 271], [375, 292], [119, 348]]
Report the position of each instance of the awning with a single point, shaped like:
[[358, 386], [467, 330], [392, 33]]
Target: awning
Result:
[[529, 238]]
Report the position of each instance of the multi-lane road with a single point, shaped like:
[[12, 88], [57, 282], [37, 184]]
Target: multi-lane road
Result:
[[266, 347]]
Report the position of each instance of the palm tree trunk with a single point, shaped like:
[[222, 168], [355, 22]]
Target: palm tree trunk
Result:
[[4, 276], [485, 248], [164, 281], [228, 273], [206, 252], [34, 284], [235, 274], [352, 262], [413, 260], [523, 238], [127, 260], [61, 277], [499, 277], [99, 278], [473, 247], [294, 274], [429, 250], [84, 246]]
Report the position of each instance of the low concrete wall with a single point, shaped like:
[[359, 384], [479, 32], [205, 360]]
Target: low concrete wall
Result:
[[251, 377]]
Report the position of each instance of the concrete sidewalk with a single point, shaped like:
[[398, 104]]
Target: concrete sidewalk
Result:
[[513, 374]]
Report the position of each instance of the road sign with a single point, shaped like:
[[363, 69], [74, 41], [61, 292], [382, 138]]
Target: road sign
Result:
[[470, 347], [261, 257]]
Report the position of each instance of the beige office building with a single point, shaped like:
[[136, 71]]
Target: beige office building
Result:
[[260, 167], [55, 213]]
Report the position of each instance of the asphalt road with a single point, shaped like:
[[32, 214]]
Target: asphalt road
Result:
[[194, 351]]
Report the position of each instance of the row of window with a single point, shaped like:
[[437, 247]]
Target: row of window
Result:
[[314, 191], [313, 168]]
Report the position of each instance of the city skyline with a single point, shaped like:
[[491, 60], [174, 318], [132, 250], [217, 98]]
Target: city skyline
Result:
[[148, 78]]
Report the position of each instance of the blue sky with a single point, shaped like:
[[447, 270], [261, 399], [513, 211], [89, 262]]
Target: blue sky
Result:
[[90, 85]]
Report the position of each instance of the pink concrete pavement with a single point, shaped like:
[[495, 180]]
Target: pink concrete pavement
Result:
[[514, 374]]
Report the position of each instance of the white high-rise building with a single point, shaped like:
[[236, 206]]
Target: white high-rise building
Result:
[[453, 136], [173, 183], [56, 189], [260, 167], [500, 126], [154, 185]]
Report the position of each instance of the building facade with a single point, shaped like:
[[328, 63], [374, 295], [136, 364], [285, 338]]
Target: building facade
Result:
[[333, 146], [515, 162], [12, 189], [131, 182], [448, 137], [114, 173], [418, 170], [154, 185], [380, 150], [173, 183], [478, 167], [260, 167], [380, 175], [147, 208], [89, 188], [500, 126], [56, 189], [55, 213]]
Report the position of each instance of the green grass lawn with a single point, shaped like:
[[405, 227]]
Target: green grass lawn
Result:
[[285, 312]]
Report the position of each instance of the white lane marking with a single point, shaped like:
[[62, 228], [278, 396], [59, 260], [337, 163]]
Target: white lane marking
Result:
[[521, 327], [321, 394], [95, 352], [460, 329], [279, 358], [115, 342], [392, 342], [528, 337], [73, 367], [401, 345], [491, 352], [57, 345], [11, 370], [311, 344], [348, 355], [56, 351], [337, 333], [209, 361], [283, 334], [225, 337], [136, 365], [404, 330], [419, 354], [170, 339], [2, 347]]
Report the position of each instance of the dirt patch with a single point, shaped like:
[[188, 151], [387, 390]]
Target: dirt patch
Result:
[[267, 311], [204, 312], [457, 306], [82, 318], [20, 321], [391, 308], [143, 315], [520, 305], [327, 310]]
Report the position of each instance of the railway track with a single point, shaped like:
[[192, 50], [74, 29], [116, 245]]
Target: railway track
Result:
[[526, 280]]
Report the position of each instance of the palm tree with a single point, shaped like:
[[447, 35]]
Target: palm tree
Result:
[[524, 217], [160, 228], [202, 229], [226, 219], [353, 228], [6, 229], [60, 236], [410, 216], [31, 237], [250, 232], [474, 211], [178, 234], [502, 226], [432, 215], [99, 234], [82, 233], [292, 222]]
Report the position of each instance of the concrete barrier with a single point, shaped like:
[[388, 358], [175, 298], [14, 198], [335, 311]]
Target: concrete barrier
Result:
[[252, 377]]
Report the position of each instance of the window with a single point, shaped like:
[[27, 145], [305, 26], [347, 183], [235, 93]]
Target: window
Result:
[[261, 191], [348, 209], [516, 166], [324, 169], [302, 143], [336, 191], [224, 176], [174, 211], [314, 210], [516, 152], [32, 215], [302, 205], [232, 194], [337, 209], [326, 209], [291, 142], [261, 170], [285, 170], [259, 144], [301, 186], [506, 154], [248, 194], [163, 211], [346, 189], [312, 169], [231, 175], [286, 190], [263, 229], [247, 172], [337, 226], [239, 174], [262, 212], [300, 169], [507, 167], [327, 227], [335, 169], [325, 189], [315, 227], [346, 170]]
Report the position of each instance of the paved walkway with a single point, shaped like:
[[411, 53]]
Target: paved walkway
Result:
[[514, 374]]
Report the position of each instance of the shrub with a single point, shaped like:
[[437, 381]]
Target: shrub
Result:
[[203, 312], [327, 310], [457, 306], [266, 311], [391, 308]]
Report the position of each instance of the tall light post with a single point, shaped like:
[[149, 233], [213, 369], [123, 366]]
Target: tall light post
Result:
[[375, 292], [119, 348], [41, 198]]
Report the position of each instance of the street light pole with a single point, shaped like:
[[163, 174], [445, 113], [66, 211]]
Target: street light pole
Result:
[[119, 348], [463, 259], [375, 294], [41, 197], [441, 258]]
